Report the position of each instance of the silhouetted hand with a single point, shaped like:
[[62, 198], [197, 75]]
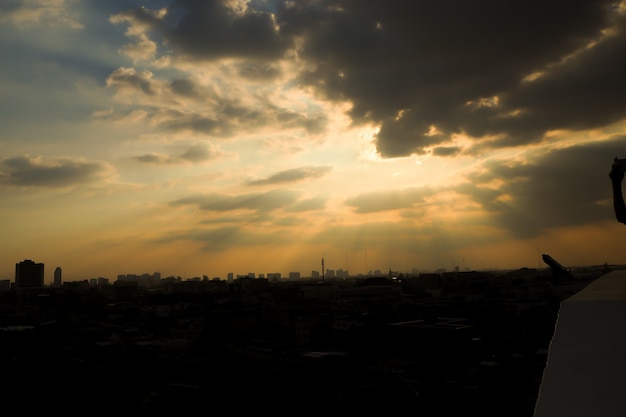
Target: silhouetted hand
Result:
[[617, 171]]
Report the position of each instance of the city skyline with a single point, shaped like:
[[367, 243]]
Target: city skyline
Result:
[[54, 277], [190, 137]]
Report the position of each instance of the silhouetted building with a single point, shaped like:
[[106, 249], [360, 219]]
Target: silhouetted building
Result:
[[247, 285], [29, 274], [57, 277], [144, 280]]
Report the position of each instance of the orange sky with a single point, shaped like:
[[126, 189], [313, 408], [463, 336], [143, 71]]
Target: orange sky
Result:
[[206, 137]]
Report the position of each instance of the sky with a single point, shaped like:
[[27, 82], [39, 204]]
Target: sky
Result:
[[197, 138]]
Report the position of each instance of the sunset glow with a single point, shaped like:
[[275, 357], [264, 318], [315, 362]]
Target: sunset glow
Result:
[[206, 137]]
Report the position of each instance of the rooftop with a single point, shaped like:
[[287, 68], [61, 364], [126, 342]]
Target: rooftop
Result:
[[585, 374]]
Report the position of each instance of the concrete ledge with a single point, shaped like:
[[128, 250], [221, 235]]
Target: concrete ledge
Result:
[[585, 374]]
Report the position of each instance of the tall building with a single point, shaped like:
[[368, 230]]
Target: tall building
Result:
[[28, 274], [57, 277]]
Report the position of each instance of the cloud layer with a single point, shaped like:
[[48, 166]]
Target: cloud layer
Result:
[[422, 129], [62, 172], [509, 73]]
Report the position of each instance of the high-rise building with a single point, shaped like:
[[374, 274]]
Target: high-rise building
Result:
[[57, 277], [28, 274]]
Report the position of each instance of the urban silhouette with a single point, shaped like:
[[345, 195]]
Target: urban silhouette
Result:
[[431, 344]]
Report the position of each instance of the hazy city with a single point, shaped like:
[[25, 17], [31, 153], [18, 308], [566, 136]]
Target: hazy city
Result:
[[433, 344]]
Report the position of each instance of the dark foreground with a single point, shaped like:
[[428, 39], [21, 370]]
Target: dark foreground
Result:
[[462, 344]]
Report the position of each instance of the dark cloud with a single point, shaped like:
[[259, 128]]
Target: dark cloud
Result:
[[582, 93], [293, 175], [179, 121], [212, 29], [140, 15], [128, 78], [189, 88], [259, 71], [567, 187], [221, 116], [154, 158], [198, 152], [228, 237], [408, 65], [389, 199], [214, 239], [9, 6], [559, 188], [268, 201], [229, 118], [446, 150], [184, 87], [61, 172], [313, 125]]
